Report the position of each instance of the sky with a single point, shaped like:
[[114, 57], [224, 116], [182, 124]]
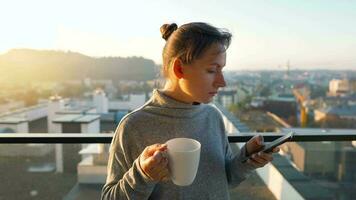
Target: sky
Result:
[[310, 34]]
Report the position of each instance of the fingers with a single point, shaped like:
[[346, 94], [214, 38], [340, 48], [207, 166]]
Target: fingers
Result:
[[162, 161], [254, 144], [150, 150], [156, 166], [259, 140], [156, 147], [164, 175], [162, 172], [275, 150], [260, 159], [254, 163], [155, 160]]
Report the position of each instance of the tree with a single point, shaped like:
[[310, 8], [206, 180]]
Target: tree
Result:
[[31, 97]]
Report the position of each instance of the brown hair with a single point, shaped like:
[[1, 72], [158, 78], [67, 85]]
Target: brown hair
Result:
[[190, 41]]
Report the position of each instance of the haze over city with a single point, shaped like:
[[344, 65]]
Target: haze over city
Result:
[[310, 34], [82, 93]]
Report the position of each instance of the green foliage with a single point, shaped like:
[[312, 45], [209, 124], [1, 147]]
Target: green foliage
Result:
[[72, 90], [27, 65], [31, 97], [241, 106]]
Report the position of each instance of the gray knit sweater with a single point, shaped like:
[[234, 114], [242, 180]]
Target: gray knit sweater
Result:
[[160, 119]]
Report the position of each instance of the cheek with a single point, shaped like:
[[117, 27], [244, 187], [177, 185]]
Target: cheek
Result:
[[207, 80], [199, 83], [203, 83]]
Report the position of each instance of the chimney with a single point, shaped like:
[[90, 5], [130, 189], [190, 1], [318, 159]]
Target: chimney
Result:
[[56, 103], [100, 101]]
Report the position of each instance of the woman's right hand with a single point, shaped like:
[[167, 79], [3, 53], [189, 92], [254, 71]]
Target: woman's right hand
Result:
[[154, 162]]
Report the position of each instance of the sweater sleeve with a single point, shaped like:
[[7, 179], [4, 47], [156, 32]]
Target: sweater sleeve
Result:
[[125, 178], [236, 170]]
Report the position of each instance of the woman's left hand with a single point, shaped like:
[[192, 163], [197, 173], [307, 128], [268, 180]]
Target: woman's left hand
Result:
[[258, 159]]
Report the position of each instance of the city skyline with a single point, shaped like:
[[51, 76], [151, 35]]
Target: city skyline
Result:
[[266, 35]]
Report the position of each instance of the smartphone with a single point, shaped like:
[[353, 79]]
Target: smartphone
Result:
[[271, 145]]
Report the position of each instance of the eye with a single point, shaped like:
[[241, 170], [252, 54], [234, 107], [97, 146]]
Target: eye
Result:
[[211, 71]]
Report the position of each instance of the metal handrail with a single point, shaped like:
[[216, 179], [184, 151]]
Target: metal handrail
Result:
[[107, 137]]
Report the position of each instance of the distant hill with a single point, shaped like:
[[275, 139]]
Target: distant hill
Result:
[[47, 65]]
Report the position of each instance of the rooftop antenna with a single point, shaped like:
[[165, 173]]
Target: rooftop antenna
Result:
[[288, 68]]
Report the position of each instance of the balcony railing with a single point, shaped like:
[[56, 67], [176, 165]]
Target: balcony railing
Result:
[[300, 136], [278, 171]]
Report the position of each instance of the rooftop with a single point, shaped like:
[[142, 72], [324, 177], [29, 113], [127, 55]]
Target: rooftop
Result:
[[75, 118], [12, 120], [342, 111]]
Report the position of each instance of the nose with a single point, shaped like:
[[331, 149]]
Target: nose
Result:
[[220, 80]]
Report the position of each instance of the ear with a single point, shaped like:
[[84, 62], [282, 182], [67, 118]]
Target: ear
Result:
[[178, 68]]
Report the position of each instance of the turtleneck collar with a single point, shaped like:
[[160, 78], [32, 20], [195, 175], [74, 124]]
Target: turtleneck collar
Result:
[[163, 100], [166, 105]]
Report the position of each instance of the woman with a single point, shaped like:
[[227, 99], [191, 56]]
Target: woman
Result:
[[193, 59]]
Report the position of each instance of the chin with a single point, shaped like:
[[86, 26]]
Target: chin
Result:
[[206, 101]]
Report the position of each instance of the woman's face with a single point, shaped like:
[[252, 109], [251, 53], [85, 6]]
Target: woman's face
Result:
[[202, 78]]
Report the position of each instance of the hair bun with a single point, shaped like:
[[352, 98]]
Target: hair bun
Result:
[[167, 30]]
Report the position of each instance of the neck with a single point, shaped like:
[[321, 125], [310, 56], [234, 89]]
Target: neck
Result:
[[175, 92]]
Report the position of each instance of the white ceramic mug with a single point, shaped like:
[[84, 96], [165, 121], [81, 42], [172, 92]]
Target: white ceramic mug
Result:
[[183, 160]]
